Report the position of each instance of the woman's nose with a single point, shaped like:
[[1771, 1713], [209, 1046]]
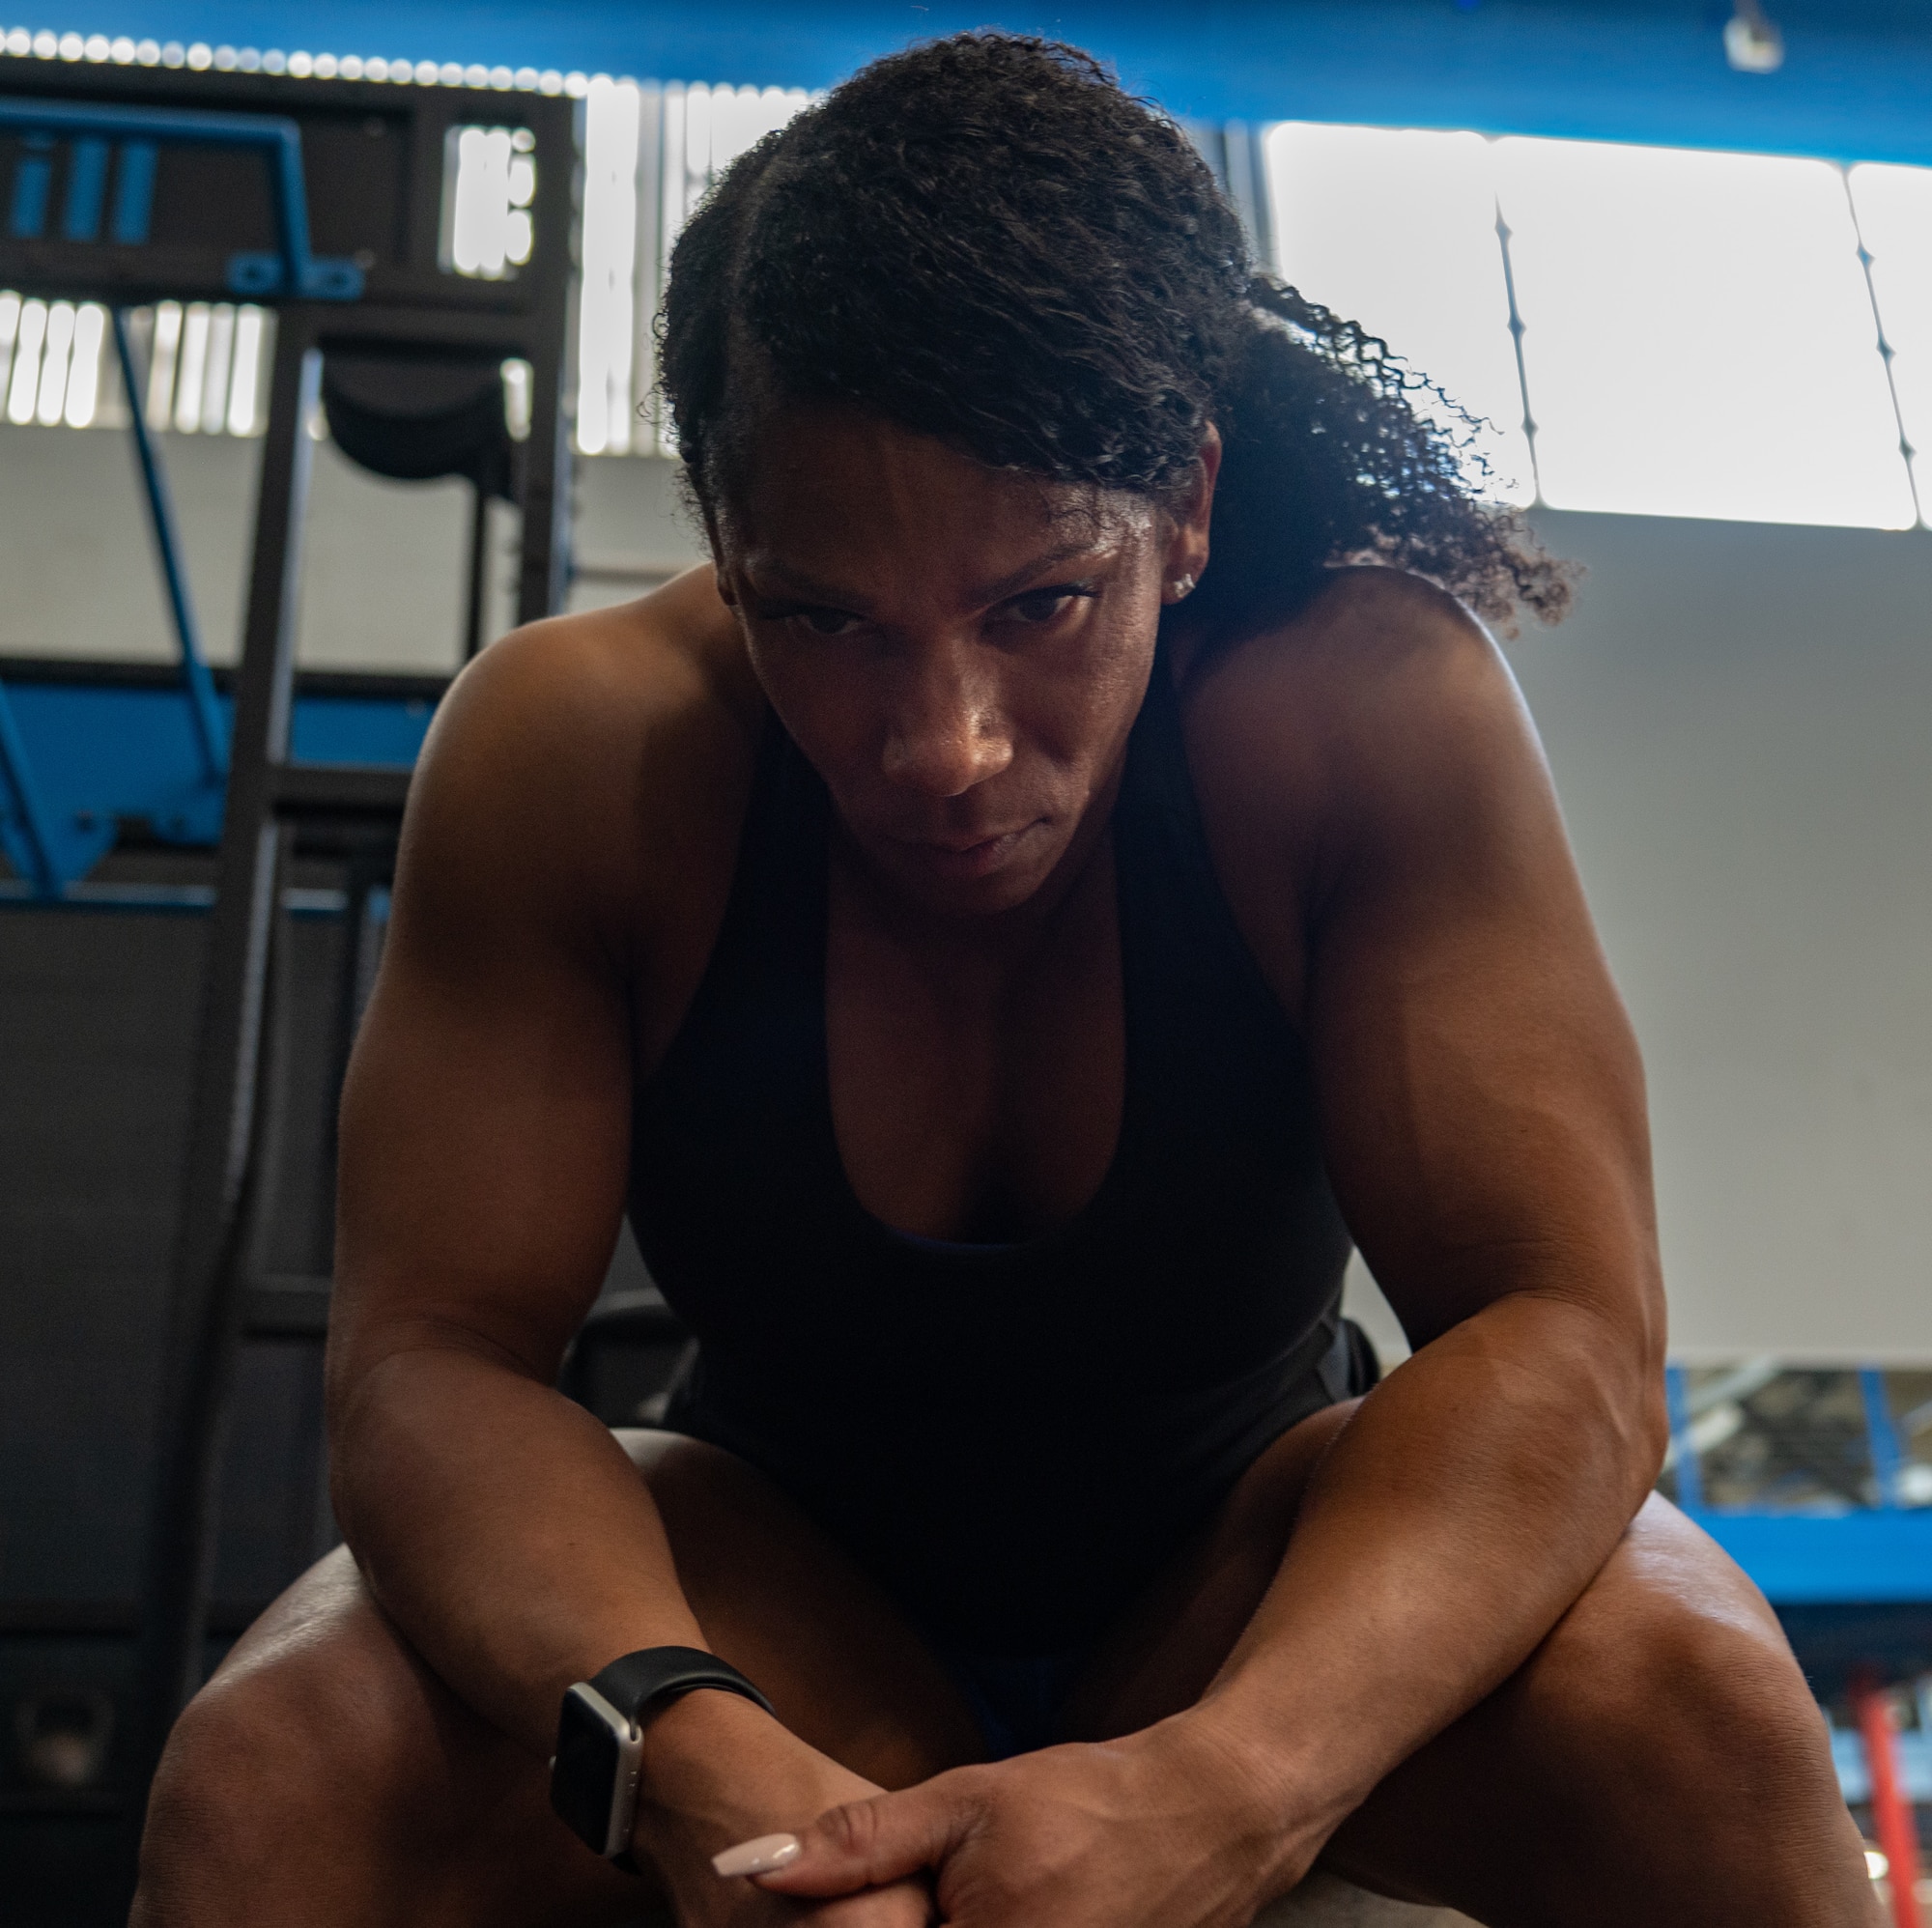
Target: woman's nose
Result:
[[947, 733]]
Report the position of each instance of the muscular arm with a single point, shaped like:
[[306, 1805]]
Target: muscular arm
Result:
[[565, 862], [484, 1132], [1484, 1116]]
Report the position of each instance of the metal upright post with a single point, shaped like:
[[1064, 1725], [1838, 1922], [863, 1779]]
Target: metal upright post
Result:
[[210, 1280], [204, 706], [1896, 1825], [1683, 1444], [543, 577], [1888, 1450], [477, 600], [34, 825]]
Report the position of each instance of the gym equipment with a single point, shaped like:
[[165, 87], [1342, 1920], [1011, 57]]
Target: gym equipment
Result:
[[1892, 1811], [416, 419], [289, 270], [639, 1322], [1830, 1520], [211, 738], [53, 846], [325, 199], [49, 846]]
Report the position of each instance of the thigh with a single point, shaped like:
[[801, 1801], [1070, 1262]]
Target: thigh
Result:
[[1658, 1758], [326, 1775]]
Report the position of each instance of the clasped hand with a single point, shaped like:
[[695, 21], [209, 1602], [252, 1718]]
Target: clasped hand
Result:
[[1137, 1833]]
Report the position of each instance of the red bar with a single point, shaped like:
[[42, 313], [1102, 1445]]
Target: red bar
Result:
[[1892, 1813]]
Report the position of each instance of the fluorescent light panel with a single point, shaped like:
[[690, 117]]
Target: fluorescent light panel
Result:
[[493, 183], [58, 365], [83, 383], [199, 56], [24, 387], [607, 332]]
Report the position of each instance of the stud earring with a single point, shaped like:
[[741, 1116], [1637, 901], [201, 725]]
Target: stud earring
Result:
[[1182, 585]]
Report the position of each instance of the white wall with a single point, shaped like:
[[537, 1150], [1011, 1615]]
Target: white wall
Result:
[[382, 578], [1737, 717]]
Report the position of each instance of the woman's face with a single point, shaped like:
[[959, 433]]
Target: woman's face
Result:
[[959, 651]]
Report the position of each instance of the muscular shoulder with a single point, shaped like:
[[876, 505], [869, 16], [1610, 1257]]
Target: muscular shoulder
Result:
[[1355, 729], [1378, 651], [578, 764]]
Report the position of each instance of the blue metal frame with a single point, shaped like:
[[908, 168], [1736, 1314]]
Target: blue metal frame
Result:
[[52, 844], [49, 844], [1874, 1556], [1800, 1559], [1856, 80], [106, 751], [211, 733], [1684, 1461], [291, 272], [53, 837], [27, 828]]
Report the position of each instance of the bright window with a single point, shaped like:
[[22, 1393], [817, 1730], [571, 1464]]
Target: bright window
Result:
[[1398, 231], [1895, 208], [1699, 338], [607, 311], [489, 189], [701, 131]]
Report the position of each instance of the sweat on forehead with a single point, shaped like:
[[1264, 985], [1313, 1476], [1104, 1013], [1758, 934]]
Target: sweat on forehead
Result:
[[818, 471]]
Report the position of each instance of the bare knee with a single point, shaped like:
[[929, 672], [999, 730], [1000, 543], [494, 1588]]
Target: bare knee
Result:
[[228, 1788], [1683, 1712], [308, 1747]]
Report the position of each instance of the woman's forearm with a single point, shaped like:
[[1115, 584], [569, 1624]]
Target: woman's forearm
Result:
[[1456, 1517], [503, 1529]]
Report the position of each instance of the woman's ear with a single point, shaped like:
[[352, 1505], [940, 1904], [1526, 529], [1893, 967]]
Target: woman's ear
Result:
[[1188, 544]]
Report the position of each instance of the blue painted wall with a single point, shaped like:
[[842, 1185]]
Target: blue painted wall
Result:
[[1856, 82]]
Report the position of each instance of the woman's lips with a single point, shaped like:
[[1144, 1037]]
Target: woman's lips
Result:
[[979, 858]]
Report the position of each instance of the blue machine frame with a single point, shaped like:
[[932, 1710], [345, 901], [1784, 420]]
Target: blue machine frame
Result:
[[292, 271], [1875, 1556], [55, 831], [101, 754]]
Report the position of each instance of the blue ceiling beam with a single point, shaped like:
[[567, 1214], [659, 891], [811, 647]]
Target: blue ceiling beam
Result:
[[1855, 82]]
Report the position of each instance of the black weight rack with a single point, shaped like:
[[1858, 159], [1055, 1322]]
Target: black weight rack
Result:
[[325, 200]]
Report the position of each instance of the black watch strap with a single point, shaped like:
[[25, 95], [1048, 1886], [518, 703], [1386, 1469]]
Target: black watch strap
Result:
[[640, 1681]]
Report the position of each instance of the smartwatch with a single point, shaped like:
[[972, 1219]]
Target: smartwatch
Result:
[[600, 1737]]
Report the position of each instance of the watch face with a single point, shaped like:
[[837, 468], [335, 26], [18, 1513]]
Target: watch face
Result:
[[584, 1777]]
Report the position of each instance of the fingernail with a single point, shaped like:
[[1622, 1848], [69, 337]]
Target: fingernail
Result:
[[765, 1855]]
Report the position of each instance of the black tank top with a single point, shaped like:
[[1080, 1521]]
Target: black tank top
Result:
[[1009, 1439]]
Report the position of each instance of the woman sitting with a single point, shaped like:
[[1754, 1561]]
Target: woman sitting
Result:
[[1072, 866]]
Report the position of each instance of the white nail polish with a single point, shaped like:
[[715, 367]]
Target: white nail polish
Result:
[[765, 1855]]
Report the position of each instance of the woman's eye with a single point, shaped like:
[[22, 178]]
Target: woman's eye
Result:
[[824, 622], [1041, 605]]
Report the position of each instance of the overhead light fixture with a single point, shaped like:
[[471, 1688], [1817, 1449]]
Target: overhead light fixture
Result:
[[1752, 45]]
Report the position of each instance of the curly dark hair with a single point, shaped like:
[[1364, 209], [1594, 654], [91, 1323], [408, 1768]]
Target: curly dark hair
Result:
[[985, 239]]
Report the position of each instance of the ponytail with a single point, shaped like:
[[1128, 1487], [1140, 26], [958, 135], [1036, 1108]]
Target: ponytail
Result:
[[985, 240]]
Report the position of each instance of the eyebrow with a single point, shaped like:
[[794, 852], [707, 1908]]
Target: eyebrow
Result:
[[800, 582]]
